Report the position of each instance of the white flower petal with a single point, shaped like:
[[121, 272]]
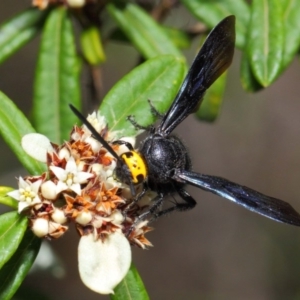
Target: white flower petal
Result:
[[22, 205], [60, 173], [36, 145], [71, 166], [22, 183], [35, 200], [75, 187], [61, 186], [14, 194], [102, 265], [36, 185], [82, 177], [95, 145], [64, 153]]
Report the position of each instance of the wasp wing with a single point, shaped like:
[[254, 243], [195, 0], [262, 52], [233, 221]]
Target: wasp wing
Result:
[[267, 206], [212, 60]]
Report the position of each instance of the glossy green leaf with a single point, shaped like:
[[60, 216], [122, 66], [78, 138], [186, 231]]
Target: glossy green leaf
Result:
[[266, 40], [212, 12], [131, 287], [179, 38], [291, 25], [157, 79], [6, 200], [91, 46], [249, 82], [57, 78], [19, 30], [12, 230], [14, 271], [145, 34], [212, 102], [13, 126]]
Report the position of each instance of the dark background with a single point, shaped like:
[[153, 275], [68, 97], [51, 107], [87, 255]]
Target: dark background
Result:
[[218, 250]]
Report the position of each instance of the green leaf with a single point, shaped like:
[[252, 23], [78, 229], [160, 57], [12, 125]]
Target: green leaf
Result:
[[249, 83], [291, 25], [6, 200], [145, 34], [212, 12], [91, 46], [211, 105], [131, 287], [12, 229], [57, 78], [19, 30], [266, 40], [13, 126], [180, 38], [157, 79], [14, 271]]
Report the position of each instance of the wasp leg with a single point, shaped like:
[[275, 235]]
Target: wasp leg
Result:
[[189, 203], [155, 207], [137, 126], [154, 111], [155, 212], [150, 128], [121, 142], [137, 198]]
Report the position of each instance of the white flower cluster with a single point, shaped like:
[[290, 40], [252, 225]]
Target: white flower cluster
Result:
[[80, 187]]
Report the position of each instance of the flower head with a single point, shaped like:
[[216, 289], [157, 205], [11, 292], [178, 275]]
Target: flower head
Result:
[[80, 187]]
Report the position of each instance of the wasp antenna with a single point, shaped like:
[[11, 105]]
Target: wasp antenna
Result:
[[94, 132], [100, 139]]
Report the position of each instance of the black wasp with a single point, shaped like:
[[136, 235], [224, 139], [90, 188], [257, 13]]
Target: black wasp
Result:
[[163, 164]]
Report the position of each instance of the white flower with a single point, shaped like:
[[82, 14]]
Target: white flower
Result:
[[36, 145], [95, 145], [103, 265], [97, 121], [70, 177], [27, 194]]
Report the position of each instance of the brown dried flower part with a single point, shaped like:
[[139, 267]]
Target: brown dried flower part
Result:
[[137, 236], [43, 4], [80, 187]]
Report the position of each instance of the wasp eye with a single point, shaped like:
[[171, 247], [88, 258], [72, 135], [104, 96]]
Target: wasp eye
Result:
[[140, 178], [128, 154]]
